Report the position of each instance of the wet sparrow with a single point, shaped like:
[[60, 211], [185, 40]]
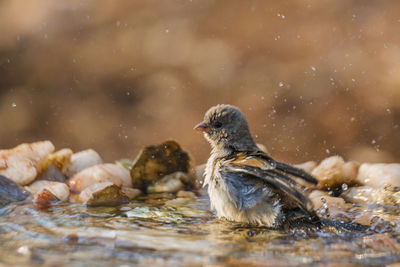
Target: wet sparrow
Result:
[[245, 184]]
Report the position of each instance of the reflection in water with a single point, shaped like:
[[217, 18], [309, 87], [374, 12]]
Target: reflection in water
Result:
[[162, 232]]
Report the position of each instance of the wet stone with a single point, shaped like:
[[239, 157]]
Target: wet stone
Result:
[[155, 162], [131, 193], [10, 192], [168, 184], [333, 172], [44, 199], [360, 194], [103, 194], [328, 205], [186, 194]]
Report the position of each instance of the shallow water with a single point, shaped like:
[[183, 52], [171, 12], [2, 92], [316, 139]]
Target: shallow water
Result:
[[162, 231]]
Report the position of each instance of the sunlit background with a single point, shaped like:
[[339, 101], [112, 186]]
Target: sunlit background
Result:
[[314, 78]]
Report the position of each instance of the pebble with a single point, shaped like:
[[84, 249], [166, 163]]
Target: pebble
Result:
[[82, 160], [333, 172], [98, 174], [103, 194], [22, 163], [59, 190], [168, 184], [61, 159], [308, 166], [378, 175], [10, 192]]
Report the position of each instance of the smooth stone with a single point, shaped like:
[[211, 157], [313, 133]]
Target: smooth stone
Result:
[[82, 160], [59, 190], [131, 192], [307, 166], [168, 184], [10, 192], [186, 194], [333, 172], [108, 172], [378, 175], [22, 163]]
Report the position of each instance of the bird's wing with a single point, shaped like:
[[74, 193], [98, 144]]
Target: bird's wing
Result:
[[266, 169], [263, 161]]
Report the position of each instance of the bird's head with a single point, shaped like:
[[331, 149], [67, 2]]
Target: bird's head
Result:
[[225, 127]]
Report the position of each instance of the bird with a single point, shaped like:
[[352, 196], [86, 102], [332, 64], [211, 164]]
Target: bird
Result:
[[245, 184]]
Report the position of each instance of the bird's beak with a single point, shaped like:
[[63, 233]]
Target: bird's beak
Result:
[[202, 127]]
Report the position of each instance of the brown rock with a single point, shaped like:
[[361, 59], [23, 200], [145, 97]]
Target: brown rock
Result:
[[103, 194], [44, 199], [154, 162]]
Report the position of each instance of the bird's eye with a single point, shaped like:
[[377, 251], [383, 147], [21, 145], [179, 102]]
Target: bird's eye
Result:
[[218, 124]]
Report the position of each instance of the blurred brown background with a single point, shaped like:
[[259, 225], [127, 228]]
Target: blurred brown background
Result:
[[315, 78]]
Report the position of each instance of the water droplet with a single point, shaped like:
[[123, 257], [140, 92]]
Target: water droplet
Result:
[[166, 30], [327, 151], [345, 187], [313, 68], [24, 250], [373, 141], [281, 84], [13, 105]]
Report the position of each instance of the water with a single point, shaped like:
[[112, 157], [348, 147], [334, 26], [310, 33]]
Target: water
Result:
[[161, 230]]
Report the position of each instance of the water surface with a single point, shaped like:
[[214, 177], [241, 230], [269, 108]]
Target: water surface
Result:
[[171, 232]]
